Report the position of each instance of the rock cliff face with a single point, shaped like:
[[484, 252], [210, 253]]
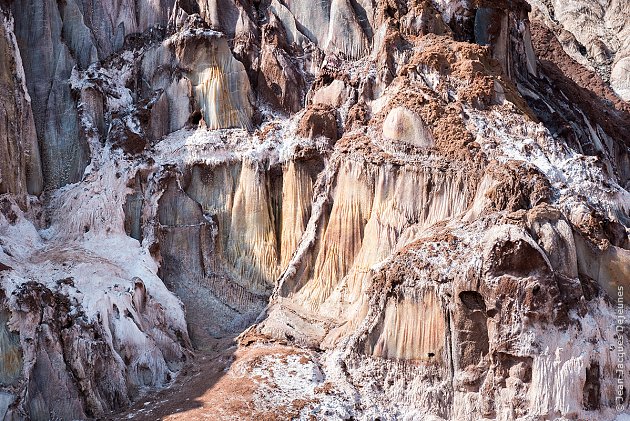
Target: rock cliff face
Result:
[[20, 170], [341, 209]]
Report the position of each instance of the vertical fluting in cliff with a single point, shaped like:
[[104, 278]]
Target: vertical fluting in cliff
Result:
[[345, 33], [10, 354], [252, 244], [297, 196], [93, 30], [398, 191], [48, 63], [220, 84], [20, 166], [239, 198], [336, 26], [377, 202], [411, 328], [505, 29], [225, 233], [209, 81], [343, 237], [190, 268]]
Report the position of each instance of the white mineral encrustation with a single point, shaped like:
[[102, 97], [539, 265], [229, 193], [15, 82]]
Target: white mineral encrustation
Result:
[[331, 209]]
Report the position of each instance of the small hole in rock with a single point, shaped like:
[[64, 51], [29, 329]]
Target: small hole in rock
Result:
[[582, 49], [195, 117]]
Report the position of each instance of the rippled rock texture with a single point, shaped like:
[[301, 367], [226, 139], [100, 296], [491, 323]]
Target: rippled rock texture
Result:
[[340, 209]]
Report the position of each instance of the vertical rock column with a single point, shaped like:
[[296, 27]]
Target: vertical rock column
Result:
[[47, 65], [506, 31], [412, 328], [10, 352], [20, 167], [219, 81]]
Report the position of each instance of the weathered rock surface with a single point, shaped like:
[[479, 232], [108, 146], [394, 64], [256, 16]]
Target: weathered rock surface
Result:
[[593, 33], [319, 120], [208, 80], [342, 209], [48, 62], [20, 168], [405, 126]]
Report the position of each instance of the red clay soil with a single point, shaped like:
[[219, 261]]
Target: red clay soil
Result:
[[208, 390]]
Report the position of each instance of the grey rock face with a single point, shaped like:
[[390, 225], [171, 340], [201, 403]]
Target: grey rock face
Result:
[[195, 266], [495, 26], [394, 208], [103, 25], [47, 66], [20, 166], [11, 354], [55, 37], [226, 230], [337, 26]]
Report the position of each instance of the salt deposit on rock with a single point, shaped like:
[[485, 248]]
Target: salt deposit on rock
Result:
[[331, 210]]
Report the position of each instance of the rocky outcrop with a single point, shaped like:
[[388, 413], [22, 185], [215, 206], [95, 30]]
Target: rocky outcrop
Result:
[[11, 354], [341, 209], [208, 81], [504, 27], [405, 126], [280, 81], [77, 346], [593, 34], [619, 78], [319, 120], [219, 82], [241, 224], [20, 169], [336, 26], [48, 62], [601, 135]]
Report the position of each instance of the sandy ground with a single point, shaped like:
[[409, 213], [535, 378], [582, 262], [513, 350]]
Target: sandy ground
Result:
[[195, 392], [224, 382]]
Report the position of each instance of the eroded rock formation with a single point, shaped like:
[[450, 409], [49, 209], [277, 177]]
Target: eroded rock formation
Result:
[[20, 170], [341, 209]]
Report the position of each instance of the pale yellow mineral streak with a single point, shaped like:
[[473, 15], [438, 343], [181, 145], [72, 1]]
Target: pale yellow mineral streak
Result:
[[297, 194], [220, 84], [344, 233], [413, 328], [252, 245]]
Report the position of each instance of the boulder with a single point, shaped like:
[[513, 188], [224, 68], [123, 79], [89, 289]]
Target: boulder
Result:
[[406, 126]]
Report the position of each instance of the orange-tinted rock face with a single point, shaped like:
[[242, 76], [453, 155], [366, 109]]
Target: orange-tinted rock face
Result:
[[340, 209], [412, 329], [11, 359]]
